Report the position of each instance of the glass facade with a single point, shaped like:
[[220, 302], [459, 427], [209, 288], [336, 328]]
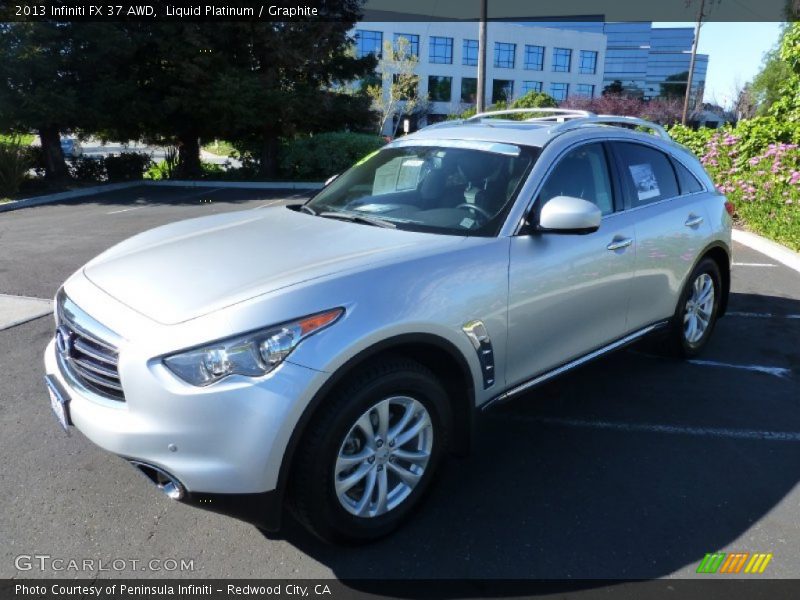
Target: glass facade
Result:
[[504, 55], [441, 50], [531, 86], [562, 57], [440, 88], [469, 53], [412, 41], [534, 58], [502, 90], [584, 89], [368, 42], [559, 91], [588, 64], [648, 62], [469, 90]]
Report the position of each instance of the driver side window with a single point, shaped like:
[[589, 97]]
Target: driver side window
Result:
[[582, 173]]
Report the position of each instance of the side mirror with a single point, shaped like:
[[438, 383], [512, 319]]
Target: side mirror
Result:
[[329, 180], [565, 214]]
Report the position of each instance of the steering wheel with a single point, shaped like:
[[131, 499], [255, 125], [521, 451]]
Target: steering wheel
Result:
[[477, 209]]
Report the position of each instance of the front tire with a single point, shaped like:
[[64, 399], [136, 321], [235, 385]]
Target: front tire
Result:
[[697, 310], [370, 454]]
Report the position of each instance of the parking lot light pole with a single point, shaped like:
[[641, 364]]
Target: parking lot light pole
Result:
[[481, 100]]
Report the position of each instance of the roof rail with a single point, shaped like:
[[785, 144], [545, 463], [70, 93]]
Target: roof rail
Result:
[[609, 120], [559, 114]]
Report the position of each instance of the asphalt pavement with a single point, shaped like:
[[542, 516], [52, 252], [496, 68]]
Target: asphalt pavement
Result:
[[634, 466]]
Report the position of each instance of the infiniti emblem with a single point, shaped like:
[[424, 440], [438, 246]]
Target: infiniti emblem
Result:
[[64, 340]]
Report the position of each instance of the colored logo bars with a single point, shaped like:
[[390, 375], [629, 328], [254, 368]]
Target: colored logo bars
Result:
[[734, 562]]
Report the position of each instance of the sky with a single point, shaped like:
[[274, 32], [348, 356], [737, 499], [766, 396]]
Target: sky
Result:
[[735, 51]]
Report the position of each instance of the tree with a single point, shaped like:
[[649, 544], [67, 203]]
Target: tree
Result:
[[787, 106], [766, 85], [400, 95], [614, 88], [40, 88]]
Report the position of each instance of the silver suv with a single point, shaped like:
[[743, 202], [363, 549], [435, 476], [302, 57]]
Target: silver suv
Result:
[[327, 356]]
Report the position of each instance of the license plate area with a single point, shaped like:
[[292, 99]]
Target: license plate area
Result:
[[59, 402]]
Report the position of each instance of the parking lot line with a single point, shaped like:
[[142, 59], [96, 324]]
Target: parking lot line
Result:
[[114, 212], [716, 432], [740, 264], [775, 371]]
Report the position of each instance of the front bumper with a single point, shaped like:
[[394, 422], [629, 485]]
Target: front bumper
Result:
[[224, 443]]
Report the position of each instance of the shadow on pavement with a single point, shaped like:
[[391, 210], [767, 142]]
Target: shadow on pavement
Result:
[[542, 501]]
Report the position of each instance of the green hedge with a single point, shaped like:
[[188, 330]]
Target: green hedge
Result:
[[325, 154]]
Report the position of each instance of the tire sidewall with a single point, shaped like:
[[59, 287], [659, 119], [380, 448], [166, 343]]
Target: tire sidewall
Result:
[[332, 516]]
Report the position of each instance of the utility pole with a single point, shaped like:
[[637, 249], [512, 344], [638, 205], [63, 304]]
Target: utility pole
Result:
[[481, 100], [700, 16]]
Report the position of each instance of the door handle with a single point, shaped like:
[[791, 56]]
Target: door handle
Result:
[[693, 221], [618, 243]]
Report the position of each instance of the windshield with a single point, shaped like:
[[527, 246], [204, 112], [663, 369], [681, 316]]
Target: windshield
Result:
[[456, 188]]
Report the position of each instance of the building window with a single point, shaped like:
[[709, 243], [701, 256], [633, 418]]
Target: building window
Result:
[[470, 53], [504, 55], [561, 59], [441, 51], [584, 89], [588, 64], [502, 90], [412, 43], [469, 90], [559, 91], [440, 89], [531, 86], [368, 42], [534, 58]]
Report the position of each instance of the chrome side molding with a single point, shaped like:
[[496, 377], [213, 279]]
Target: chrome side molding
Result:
[[522, 387]]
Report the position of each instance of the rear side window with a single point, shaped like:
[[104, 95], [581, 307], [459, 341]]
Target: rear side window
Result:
[[648, 173], [687, 181]]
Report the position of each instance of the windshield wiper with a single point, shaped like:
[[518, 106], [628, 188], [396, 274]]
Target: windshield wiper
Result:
[[358, 219], [307, 209]]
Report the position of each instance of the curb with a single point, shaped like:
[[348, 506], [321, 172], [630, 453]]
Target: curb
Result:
[[773, 250], [113, 187]]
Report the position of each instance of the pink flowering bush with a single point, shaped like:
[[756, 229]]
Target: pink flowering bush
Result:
[[762, 180]]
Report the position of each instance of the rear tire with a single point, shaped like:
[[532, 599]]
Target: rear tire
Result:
[[369, 455], [697, 311]]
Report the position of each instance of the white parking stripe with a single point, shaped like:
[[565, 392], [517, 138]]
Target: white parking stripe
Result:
[[114, 212], [738, 264], [738, 434], [776, 371], [753, 315]]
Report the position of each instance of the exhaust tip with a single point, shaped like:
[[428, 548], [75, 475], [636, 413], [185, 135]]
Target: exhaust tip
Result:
[[165, 482]]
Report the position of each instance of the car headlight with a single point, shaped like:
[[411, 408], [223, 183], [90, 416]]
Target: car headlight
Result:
[[252, 354]]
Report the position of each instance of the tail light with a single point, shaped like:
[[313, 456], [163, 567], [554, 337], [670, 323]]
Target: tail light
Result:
[[729, 207]]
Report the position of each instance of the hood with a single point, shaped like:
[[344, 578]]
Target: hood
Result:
[[188, 269]]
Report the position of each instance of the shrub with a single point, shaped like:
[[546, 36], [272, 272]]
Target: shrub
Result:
[[128, 166], [319, 156], [87, 168], [760, 176], [15, 161]]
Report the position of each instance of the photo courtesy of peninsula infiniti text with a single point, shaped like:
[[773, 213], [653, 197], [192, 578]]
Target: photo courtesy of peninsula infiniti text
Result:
[[325, 357]]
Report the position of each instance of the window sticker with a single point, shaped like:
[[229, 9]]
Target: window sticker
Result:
[[645, 181]]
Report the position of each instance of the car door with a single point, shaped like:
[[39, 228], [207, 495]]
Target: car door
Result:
[[671, 228], [568, 293]]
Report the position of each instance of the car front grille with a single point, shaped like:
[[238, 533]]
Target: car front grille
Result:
[[85, 351]]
